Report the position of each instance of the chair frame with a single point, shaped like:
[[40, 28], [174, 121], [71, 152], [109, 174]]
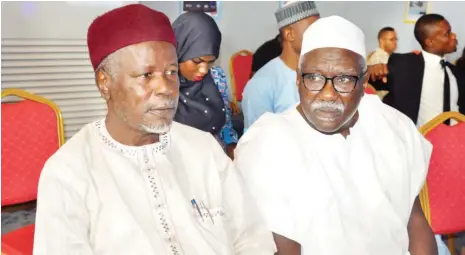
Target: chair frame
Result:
[[29, 96], [424, 197], [231, 71]]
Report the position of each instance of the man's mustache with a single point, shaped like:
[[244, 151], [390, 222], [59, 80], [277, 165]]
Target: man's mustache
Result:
[[162, 105], [328, 106]]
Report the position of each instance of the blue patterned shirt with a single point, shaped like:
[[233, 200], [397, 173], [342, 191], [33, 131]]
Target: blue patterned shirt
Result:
[[227, 135]]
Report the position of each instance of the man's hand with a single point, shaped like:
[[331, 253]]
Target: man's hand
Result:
[[421, 236], [377, 72]]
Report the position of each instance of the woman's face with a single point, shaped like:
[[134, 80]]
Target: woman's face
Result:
[[195, 69]]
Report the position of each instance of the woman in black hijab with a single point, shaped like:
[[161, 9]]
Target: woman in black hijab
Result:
[[203, 97]]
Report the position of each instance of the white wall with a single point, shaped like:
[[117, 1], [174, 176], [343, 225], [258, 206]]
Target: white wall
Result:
[[247, 24], [65, 19], [44, 52], [372, 16], [244, 25]]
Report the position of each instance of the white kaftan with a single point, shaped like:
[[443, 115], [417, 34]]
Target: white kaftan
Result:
[[97, 196], [334, 195]]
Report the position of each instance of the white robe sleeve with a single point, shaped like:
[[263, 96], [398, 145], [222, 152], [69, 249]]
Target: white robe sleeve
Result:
[[267, 163], [62, 222], [247, 228]]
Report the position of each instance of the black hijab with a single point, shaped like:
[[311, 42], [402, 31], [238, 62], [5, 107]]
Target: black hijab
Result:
[[200, 102]]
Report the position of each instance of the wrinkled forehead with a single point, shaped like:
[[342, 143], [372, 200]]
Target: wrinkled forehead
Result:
[[332, 60], [154, 53]]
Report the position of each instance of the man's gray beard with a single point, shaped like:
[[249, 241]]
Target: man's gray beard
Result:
[[156, 129]]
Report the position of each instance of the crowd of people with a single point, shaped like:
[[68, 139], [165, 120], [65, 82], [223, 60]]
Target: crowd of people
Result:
[[165, 172]]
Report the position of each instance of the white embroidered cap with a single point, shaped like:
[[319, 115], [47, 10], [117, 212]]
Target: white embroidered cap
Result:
[[333, 32], [294, 11]]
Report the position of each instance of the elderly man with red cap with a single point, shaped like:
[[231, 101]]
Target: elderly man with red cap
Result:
[[136, 182]]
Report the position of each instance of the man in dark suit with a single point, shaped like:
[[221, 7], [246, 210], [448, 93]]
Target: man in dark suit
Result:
[[423, 85]]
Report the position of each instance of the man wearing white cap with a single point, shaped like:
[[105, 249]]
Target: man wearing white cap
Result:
[[340, 172]]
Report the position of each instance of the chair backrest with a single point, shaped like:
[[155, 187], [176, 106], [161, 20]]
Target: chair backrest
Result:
[[370, 90], [240, 67], [442, 197], [32, 130]]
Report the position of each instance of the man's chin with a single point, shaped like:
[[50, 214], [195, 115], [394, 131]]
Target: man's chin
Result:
[[156, 129]]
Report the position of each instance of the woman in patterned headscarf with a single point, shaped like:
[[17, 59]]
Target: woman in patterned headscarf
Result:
[[203, 99]]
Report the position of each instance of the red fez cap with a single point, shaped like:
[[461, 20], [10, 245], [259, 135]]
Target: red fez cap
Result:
[[124, 26]]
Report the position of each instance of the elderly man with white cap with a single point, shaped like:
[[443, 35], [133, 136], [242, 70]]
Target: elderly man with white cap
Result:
[[339, 173]]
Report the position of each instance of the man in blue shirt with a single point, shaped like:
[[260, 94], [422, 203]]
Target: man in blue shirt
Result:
[[273, 88], [265, 53]]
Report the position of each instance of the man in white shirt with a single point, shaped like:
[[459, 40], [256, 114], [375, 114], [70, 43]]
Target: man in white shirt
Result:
[[136, 182], [342, 172], [387, 40], [423, 85]]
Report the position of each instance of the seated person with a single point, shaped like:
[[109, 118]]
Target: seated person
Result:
[[203, 101], [136, 182], [339, 173]]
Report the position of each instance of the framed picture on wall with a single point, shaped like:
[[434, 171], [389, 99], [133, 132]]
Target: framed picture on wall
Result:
[[415, 9], [211, 8]]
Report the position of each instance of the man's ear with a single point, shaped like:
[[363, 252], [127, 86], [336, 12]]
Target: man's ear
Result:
[[103, 81], [299, 77], [288, 33], [428, 43]]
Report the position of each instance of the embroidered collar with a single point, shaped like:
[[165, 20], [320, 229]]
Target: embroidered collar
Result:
[[130, 151]]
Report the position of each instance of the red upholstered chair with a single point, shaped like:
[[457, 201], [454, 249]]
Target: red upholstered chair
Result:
[[32, 130], [19, 242], [442, 197], [240, 67], [370, 90]]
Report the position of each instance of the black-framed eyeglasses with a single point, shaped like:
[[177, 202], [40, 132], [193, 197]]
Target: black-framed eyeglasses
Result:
[[341, 83]]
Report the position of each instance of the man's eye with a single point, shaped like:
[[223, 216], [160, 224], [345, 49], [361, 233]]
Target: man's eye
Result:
[[146, 75], [314, 78], [343, 79], [172, 72]]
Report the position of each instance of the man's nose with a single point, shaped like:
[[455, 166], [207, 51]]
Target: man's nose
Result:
[[328, 92]]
